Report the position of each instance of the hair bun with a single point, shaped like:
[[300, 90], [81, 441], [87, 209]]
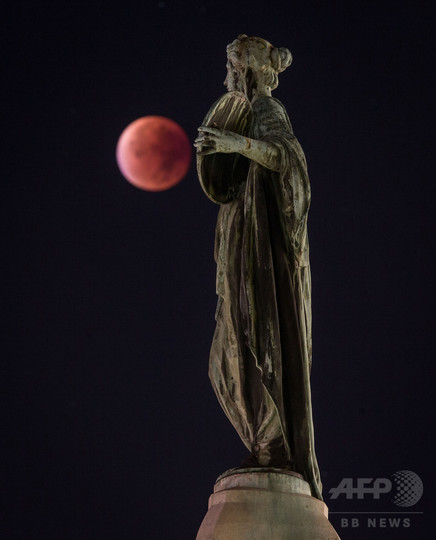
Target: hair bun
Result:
[[281, 58]]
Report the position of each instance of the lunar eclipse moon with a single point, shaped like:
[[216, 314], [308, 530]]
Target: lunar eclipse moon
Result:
[[153, 153]]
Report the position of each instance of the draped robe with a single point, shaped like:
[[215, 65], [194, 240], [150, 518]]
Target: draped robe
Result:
[[261, 352]]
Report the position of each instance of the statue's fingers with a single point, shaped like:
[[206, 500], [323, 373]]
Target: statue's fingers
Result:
[[204, 147], [211, 130], [208, 141], [206, 152], [204, 137]]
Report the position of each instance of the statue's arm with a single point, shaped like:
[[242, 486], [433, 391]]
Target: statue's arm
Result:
[[213, 140], [262, 152]]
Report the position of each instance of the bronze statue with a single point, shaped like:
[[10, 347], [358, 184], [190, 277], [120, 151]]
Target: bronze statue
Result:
[[250, 162]]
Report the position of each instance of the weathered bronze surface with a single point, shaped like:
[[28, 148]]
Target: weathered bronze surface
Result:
[[250, 162]]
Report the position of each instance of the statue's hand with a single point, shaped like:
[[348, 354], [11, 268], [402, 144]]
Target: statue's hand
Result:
[[212, 140]]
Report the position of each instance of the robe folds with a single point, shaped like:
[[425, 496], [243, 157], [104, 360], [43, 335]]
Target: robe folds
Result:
[[261, 352]]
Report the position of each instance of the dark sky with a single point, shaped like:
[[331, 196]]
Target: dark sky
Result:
[[111, 428]]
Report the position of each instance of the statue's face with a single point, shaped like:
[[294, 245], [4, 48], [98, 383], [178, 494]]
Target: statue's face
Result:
[[234, 78]]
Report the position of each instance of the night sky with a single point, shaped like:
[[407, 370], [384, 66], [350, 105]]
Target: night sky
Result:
[[111, 429]]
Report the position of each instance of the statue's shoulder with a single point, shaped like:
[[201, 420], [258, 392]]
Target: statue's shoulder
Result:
[[268, 102], [271, 113]]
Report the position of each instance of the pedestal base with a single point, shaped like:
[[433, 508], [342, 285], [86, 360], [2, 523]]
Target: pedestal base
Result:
[[264, 504]]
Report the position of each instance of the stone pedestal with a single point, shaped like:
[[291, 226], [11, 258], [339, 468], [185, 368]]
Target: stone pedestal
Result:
[[264, 504]]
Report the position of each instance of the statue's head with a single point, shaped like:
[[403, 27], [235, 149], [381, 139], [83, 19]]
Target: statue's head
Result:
[[254, 64]]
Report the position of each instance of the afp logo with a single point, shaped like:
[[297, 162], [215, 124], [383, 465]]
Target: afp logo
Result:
[[406, 488]]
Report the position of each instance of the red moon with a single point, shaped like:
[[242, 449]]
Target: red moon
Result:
[[153, 153]]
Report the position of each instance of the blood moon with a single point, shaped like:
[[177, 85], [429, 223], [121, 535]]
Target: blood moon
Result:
[[153, 153]]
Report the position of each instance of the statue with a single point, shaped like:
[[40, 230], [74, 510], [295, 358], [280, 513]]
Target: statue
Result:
[[250, 163]]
